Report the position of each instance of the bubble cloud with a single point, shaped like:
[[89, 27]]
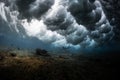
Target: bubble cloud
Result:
[[76, 24]]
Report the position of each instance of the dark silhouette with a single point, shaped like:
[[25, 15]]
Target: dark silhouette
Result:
[[13, 55], [41, 52]]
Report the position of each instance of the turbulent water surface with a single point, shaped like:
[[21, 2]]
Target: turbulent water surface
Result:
[[62, 24]]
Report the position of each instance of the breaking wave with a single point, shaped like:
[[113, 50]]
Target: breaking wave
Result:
[[69, 24]]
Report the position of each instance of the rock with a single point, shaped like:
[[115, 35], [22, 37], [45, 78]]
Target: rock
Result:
[[13, 55], [63, 57], [41, 52]]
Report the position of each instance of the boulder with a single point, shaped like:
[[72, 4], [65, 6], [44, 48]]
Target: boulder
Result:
[[13, 54], [41, 52]]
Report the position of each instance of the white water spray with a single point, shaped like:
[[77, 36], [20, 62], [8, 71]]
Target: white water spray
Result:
[[60, 25]]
